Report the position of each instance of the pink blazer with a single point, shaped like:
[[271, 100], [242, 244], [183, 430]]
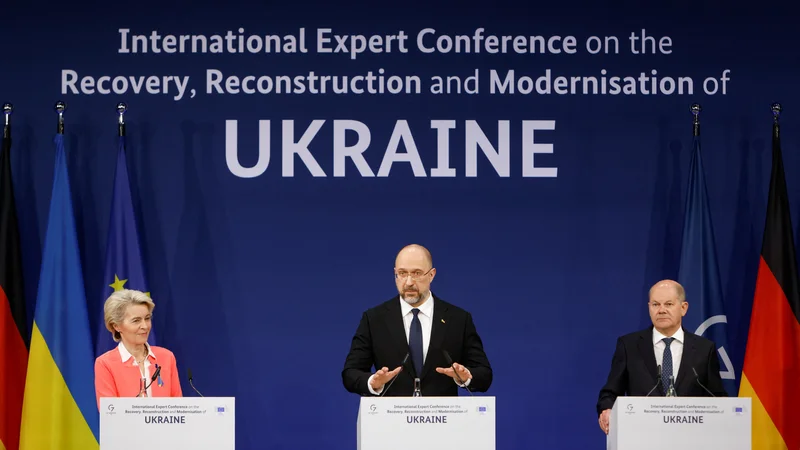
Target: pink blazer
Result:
[[115, 378]]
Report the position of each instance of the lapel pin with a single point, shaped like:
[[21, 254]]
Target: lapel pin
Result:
[[443, 321], [160, 381]]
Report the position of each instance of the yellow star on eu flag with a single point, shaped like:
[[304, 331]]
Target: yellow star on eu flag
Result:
[[118, 284]]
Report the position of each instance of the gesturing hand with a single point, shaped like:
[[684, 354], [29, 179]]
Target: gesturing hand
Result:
[[462, 372], [383, 376]]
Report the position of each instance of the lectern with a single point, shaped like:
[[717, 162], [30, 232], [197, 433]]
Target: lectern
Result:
[[197, 423], [669, 423], [426, 423]]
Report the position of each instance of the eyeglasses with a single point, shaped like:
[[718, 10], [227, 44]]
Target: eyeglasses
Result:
[[415, 275]]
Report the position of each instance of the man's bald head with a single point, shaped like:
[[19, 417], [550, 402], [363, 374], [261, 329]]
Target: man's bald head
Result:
[[680, 293], [414, 252]]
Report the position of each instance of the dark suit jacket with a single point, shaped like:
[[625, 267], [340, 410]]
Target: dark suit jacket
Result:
[[380, 341], [634, 371]]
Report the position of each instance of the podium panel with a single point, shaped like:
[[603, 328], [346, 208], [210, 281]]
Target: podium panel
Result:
[[426, 423], [190, 422], [669, 423]]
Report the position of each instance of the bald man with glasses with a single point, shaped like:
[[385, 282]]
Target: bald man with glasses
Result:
[[437, 340]]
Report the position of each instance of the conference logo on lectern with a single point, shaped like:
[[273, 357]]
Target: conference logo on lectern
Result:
[[483, 410], [110, 411], [220, 410], [738, 410]]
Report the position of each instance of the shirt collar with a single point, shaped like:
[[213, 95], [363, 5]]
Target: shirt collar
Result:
[[126, 355], [425, 308], [657, 336]]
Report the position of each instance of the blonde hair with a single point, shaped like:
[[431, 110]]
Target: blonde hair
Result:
[[117, 305]]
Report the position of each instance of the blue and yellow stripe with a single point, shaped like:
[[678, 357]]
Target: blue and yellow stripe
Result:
[[59, 409]]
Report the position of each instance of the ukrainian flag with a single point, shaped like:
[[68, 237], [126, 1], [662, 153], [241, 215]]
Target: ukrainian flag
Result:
[[59, 409]]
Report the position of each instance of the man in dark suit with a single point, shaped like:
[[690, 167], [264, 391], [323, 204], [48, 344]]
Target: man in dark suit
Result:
[[423, 326], [634, 367]]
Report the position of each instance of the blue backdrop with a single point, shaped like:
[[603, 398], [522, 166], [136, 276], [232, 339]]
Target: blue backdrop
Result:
[[260, 280]]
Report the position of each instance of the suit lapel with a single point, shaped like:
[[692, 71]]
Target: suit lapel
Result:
[[648, 353], [686, 358], [394, 323], [438, 331]]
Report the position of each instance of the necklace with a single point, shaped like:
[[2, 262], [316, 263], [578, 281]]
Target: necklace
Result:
[[140, 361], [144, 357]]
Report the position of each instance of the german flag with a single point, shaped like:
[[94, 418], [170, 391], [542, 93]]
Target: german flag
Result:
[[771, 373], [14, 341]]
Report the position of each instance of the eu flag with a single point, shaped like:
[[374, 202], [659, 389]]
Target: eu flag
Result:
[[59, 408], [699, 272], [123, 268]]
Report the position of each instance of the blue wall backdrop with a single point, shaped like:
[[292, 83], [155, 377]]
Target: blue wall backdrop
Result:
[[260, 279]]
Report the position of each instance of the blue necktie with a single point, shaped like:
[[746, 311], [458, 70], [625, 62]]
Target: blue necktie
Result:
[[415, 342], [666, 365]]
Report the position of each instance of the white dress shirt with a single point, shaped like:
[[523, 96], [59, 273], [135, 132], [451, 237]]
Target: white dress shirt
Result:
[[126, 355], [425, 320], [676, 347]]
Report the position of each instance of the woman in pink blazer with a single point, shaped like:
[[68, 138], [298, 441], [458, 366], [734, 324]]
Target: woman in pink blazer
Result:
[[134, 368]]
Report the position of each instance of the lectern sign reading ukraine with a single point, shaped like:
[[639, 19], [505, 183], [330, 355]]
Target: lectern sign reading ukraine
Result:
[[173, 422]]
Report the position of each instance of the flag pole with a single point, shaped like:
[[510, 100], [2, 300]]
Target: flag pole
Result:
[[121, 108], [695, 108], [60, 108]]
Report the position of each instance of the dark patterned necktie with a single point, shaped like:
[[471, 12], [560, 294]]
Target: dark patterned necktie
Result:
[[666, 366]]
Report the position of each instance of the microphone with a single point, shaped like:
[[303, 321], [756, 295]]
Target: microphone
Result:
[[657, 382], [395, 377], [190, 382], [697, 378], [153, 378], [450, 363]]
